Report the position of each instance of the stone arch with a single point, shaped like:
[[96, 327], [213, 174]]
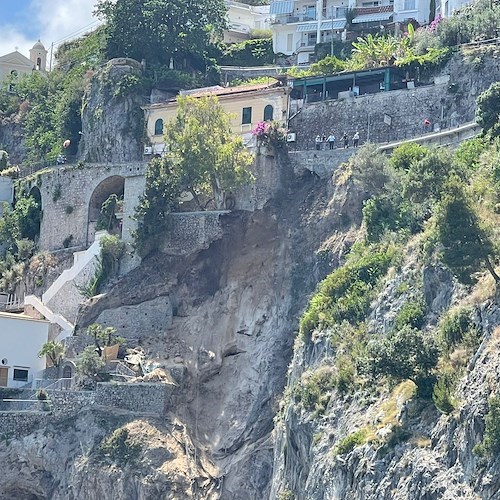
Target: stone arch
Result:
[[268, 113], [111, 185], [67, 371], [159, 127]]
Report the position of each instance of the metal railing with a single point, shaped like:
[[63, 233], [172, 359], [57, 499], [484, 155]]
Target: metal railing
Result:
[[11, 302], [62, 384]]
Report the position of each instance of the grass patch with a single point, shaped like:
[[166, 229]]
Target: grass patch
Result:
[[350, 442]]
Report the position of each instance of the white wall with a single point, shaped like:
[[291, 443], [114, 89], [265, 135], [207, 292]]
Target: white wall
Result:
[[411, 9], [21, 339]]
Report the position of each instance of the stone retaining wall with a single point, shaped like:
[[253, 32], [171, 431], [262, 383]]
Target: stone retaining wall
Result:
[[17, 424], [150, 399]]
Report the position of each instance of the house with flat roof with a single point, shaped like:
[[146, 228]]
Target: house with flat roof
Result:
[[243, 19], [247, 104], [21, 339]]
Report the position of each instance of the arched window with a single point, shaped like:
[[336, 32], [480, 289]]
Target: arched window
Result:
[[159, 127], [67, 372], [39, 63], [13, 73], [268, 113]]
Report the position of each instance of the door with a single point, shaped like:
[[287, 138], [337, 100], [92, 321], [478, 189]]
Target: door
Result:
[[4, 372]]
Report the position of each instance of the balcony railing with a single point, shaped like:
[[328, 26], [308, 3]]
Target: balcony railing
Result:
[[328, 13]]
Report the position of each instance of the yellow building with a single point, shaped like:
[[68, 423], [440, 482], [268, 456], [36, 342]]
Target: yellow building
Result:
[[248, 106]]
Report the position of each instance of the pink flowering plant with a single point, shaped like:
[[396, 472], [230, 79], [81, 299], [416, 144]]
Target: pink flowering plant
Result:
[[269, 134]]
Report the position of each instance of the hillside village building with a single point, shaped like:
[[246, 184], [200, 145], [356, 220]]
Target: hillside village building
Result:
[[243, 19], [16, 64], [248, 105], [299, 25], [21, 339]]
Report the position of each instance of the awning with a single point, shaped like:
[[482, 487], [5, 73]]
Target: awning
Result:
[[369, 18], [307, 27], [335, 24], [281, 7]]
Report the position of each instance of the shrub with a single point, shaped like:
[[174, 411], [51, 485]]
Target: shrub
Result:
[[119, 448], [491, 442], [488, 109], [346, 293], [454, 326], [348, 444], [442, 394], [404, 156], [312, 388], [89, 363], [405, 354], [467, 155], [112, 250], [411, 314], [257, 52], [4, 160]]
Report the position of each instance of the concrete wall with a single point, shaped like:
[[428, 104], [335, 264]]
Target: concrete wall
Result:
[[21, 339], [68, 214]]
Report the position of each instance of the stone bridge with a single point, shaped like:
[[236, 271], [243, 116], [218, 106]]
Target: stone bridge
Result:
[[71, 200]]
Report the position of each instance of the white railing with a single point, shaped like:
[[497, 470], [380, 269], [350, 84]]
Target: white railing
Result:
[[62, 384], [66, 326]]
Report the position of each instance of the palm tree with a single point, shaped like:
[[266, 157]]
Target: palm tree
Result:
[[54, 351]]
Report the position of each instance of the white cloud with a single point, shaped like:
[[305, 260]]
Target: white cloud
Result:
[[56, 19], [12, 38]]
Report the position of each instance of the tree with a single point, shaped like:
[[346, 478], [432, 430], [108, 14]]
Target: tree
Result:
[[466, 244], [160, 30], [488, 110], [207, 157], [89, 363], [103, 337], [160, 198], [4, 160], [54, 351], [405, 354]]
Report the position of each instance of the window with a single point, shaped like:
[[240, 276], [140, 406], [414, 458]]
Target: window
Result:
[[20, 375], [268, 113], [13, 73], [38, 63], [409, 5], [289, 42], [159, 127], [246, 116]]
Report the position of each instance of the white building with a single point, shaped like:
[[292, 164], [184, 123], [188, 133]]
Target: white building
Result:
[[16, 64], [298, 25], [449, 6], [243, 19], [21, 339]]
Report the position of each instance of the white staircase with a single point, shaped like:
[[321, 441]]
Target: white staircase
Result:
[[66, 327], [62, 292]]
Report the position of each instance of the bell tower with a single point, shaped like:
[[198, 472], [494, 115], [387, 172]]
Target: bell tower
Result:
[[38, 56]]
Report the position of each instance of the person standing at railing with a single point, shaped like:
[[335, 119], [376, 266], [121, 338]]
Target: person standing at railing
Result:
[[317, 141], [331, 141]]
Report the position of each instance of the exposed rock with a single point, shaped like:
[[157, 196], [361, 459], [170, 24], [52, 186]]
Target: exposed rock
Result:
[[112, 118]]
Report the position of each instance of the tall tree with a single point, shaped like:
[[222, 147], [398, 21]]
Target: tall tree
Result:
[[160, 30], [208, 156], [466, 244]]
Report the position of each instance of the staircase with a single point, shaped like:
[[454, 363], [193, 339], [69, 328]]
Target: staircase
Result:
[[62, 299]]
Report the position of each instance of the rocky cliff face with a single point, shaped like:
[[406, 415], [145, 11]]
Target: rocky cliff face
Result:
[[409, 449], [112, 118], [222, 321]]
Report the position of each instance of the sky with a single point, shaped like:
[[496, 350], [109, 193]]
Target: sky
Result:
[[23, 22]]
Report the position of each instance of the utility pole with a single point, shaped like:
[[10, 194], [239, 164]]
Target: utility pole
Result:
[[51, 50]]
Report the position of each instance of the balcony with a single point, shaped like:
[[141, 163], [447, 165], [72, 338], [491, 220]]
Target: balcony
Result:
[[327, 14], [239, 28]]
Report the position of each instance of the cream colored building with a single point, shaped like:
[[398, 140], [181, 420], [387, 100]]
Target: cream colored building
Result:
[[248, 105], [16, 64], [21, 339]]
